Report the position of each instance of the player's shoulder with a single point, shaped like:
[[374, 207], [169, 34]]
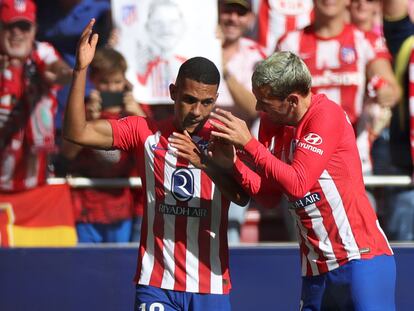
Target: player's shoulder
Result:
[[136, 122]]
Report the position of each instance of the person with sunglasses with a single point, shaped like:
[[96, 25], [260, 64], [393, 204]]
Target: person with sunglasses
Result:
[[30, 72]]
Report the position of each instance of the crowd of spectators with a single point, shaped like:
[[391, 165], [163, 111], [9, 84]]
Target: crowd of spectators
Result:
[[342, 43]]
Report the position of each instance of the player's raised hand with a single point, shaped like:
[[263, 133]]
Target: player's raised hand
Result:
[[86, 47], [232, 129]]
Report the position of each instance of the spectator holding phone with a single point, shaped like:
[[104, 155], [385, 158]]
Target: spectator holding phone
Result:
[[112, 92], [106, 214]]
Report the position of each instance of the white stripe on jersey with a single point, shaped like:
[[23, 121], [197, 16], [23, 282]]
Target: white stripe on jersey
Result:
[[325, 244], [290, 43], [327, 60], [148, 257], [168, 240], [216, 273], [340, 217], [193, 230], [333, 93], [312, 255], [192, 252]]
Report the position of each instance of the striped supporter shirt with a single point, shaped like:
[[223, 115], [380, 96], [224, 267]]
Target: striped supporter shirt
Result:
[[337, 64], [276, 17], [27, 126], [184, 231], [316, 164]]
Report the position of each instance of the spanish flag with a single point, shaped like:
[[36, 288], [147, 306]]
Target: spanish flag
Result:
[[41, 217]]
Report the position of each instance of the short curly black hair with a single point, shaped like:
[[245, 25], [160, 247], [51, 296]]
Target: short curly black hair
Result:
[[199, 69]]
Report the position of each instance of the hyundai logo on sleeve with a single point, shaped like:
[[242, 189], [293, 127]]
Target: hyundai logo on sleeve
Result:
[[310, 141], [182, 186], [313, 139]]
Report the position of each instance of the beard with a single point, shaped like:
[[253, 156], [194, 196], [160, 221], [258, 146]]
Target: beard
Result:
[[20, 50]]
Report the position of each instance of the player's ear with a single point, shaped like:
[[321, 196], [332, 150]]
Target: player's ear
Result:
[[173, 90], [292, 100]]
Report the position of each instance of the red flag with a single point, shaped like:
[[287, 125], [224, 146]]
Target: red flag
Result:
[[39, 217]]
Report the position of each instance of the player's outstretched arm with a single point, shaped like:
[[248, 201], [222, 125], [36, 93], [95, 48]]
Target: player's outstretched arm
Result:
[[97, 133]]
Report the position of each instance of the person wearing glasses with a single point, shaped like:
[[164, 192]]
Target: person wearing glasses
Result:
[[30, 72]]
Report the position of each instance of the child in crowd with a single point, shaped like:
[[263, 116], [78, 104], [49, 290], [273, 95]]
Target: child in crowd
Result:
[[105, 214]]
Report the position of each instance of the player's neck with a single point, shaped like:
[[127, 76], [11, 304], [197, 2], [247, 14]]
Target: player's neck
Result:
[[303, 107]]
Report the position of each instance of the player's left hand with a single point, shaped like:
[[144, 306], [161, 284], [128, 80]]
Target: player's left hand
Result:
[[232, 129], [187, 149], [221, 152]]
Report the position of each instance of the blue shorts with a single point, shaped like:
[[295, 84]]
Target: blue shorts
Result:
[[365, 284], [149, 298]]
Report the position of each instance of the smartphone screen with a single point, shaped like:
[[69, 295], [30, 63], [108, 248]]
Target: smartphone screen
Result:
[[111, 99]]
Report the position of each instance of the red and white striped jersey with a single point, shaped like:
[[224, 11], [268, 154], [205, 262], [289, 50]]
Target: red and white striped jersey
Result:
[[338, 64], [27, 111], [319, 170], [276, 17], [184, 230]]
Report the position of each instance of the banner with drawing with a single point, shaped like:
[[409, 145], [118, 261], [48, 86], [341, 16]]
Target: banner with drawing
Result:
[[157, 36]]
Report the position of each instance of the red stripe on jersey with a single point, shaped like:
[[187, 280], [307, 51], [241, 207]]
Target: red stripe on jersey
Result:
[[180, 249], [42, 175], [290, 23], [158, 226], [204, 239], [307, 46], [304, 250], [332, 230], [143, 239], [263, 22]]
